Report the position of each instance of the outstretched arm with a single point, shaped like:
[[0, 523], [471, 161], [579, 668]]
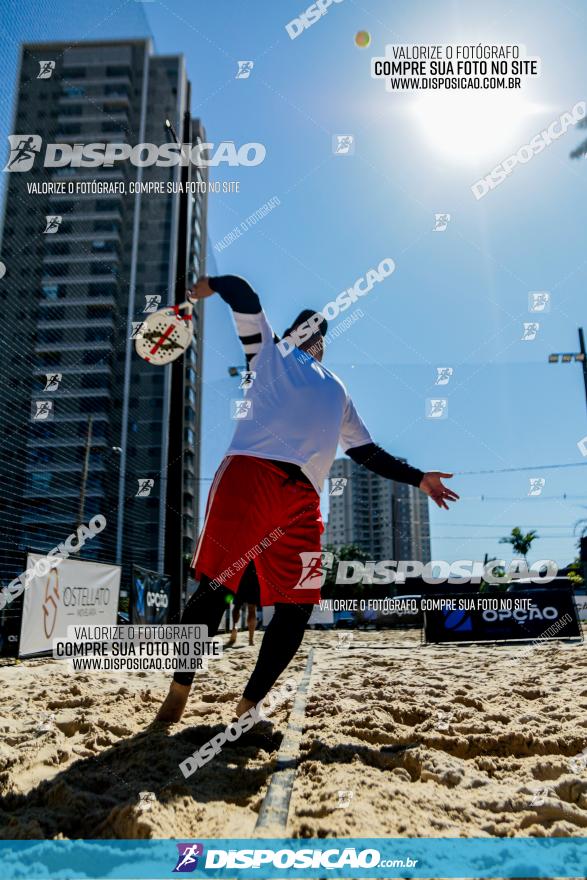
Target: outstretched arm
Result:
[[358, 445], [251, 324], [376, 459]]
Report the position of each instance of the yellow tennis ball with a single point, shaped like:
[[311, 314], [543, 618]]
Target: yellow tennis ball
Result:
[[362, 39]]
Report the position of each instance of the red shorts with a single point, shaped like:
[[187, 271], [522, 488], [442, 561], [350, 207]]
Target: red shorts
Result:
[[255, 513]]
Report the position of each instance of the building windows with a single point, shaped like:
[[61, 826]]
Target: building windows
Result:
[[97, 334], [50, 291], [93, 357], [50, 336]]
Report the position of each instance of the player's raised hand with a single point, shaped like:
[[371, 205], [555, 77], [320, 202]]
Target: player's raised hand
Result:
[[431, 484], [200, 290]]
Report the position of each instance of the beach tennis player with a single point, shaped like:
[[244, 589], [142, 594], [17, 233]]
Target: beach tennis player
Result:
[[249, 595], [266, 493]]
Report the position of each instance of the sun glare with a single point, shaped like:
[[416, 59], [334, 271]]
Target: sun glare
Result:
[[473, 126]]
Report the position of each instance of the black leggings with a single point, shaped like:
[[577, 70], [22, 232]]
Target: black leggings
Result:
[[281, 639]]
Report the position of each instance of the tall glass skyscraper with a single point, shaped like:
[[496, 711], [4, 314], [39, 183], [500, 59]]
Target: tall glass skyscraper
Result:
[[87, 427]]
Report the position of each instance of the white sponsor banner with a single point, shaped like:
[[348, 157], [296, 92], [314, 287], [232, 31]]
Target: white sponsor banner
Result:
[[318, 616], [74, 592]]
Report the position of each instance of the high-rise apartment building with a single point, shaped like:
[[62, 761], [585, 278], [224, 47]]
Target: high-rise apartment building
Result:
[[87, 426], [385, 519]]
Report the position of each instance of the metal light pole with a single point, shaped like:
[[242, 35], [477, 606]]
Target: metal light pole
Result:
[[574, 356], [85, 469], [174, 563]]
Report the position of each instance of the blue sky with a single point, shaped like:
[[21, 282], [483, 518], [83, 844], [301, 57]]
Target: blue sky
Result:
[[457, 298]]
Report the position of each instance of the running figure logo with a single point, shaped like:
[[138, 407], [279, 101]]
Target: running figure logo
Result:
[[242, 409], [441, 222], [52, 223], [53, 380], [152, 302], [531, 329], [247, 379], [43, 411], [187, 860], [443, 375], [345, 796], [314, 568], [23, 149], [437, 408], [46, 69], [536, 485], [539, 301], [244, 69], [337, 485], [145, 486], [343, 144]]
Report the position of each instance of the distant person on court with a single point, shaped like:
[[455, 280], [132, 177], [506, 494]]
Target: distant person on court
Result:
[[249, 595], [270, 481]]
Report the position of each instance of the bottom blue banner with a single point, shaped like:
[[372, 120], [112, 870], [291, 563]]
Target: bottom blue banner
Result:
[[273, 858]]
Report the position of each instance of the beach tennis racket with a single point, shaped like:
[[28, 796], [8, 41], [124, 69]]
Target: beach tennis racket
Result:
[[165, 335]]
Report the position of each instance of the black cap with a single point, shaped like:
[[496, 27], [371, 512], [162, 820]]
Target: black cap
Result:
[[305, 315]]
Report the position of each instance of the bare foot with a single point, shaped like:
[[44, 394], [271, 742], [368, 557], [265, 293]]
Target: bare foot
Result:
[[174, 704], [232, 637], [243, 706], [251, 638]]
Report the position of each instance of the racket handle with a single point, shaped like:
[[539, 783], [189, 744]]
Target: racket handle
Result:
[[189, 308]]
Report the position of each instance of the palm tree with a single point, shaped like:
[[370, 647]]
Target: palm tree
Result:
[[520, 543]]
